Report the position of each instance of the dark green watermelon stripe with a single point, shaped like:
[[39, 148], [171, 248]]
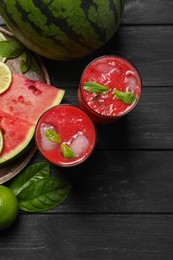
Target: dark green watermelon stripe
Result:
[[61, 23], [114, 9], [86, 5], [10, 18], [37, 28], [39, 31], [2, 4]]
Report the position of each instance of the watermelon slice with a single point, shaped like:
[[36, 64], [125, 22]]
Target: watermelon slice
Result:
[[20, 108], [27, 99], [17, 134]]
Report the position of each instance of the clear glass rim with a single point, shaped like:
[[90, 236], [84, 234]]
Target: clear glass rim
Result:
[[131, 107], [72, 163]]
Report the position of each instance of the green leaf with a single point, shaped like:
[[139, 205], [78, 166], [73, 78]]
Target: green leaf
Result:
[[126, 97], [95, 87], [34, 65], [29, 175], [43, 195], [25, 62], [53, 136], [67, 151], [11, 49]]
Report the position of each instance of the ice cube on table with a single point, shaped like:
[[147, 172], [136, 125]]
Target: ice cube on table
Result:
[[46, 144], [79, 144]]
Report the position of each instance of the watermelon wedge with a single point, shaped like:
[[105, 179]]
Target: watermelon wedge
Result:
[[17, 134], [20, 108], [27, 99]]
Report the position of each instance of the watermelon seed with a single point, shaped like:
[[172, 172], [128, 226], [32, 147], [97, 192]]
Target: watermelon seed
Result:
[[21, 99], [34, 90]]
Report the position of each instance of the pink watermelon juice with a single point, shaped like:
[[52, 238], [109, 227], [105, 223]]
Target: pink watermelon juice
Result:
[[65, 135], [110, 87]]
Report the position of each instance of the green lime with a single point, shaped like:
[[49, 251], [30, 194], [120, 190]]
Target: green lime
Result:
[[2, 38], [1, 140], [8, 207], [5, 77]]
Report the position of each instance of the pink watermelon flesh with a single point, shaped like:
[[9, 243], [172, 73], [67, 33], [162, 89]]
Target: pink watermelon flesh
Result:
[[17, 134], [20, 108], [27, 99]]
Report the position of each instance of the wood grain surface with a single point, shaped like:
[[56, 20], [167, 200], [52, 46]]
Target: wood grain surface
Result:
[[81, 236], [121, 203]]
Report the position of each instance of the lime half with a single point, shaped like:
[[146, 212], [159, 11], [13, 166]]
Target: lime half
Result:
[[5, 77], [1, 140], [2, 38]]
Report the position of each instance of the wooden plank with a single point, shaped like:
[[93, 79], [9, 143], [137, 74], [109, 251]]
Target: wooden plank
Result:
[[119, 181], [148, 12], [72, 236], [148, 47], [148, 126]]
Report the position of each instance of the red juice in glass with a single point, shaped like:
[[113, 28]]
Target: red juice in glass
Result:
[[110, 87], [65, 135]]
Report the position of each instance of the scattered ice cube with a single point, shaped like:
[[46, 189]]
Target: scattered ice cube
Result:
[[79, 144], [131, 82], [47, 145]]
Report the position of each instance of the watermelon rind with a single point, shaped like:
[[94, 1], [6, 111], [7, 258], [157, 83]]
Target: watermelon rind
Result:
[[58, 97], [1, 140], [18, 149]]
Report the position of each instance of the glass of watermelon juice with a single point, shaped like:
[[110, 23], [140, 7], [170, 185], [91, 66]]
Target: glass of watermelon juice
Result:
[[65, 135], [110, 87]]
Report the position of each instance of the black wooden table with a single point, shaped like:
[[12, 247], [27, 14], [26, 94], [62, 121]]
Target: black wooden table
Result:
[[121, 202]]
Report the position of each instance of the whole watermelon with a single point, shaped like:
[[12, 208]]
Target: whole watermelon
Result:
[[62, 29]]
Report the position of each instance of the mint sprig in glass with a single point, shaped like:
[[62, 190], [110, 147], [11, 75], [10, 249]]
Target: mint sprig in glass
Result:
[[94, 87]]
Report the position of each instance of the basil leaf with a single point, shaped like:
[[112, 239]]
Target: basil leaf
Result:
[[25, 62], [11, 49], [95, 87], [29, 175], [126, 97], [43, 195], [53, 136], [67, 151]]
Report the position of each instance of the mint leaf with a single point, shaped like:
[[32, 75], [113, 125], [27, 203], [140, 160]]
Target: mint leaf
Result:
[[94, 87], [28, 62], [53, 136], [126, 97], [67, 151], [31, 174], [34, 65], [11, 49], [25, 62], [43, 195]]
